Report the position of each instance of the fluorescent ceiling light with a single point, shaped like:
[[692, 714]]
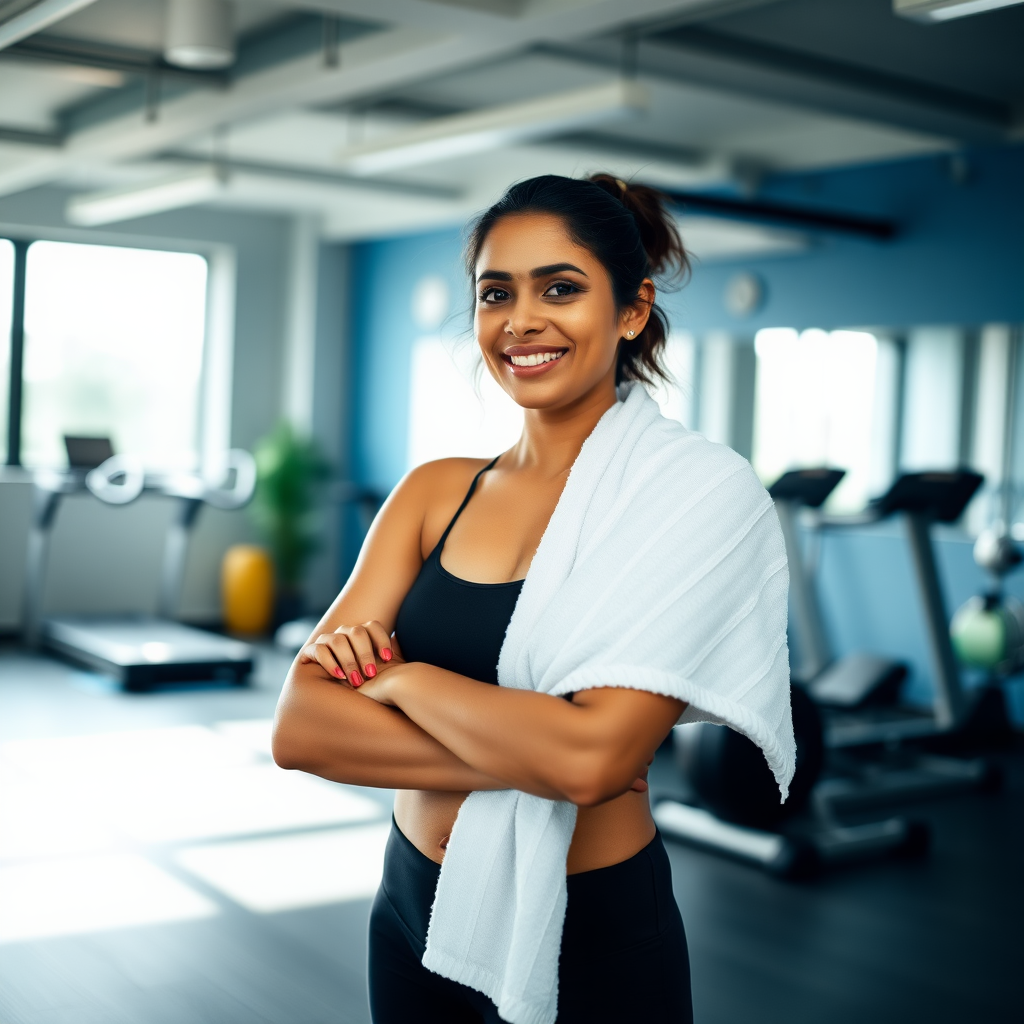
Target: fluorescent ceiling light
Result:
[[445, 138], [35, 17], [946, 10], [169, 193]]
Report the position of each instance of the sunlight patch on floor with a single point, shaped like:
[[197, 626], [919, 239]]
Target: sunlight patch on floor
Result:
[[289, 872], [169, 785], [79, 814], [44, 899]]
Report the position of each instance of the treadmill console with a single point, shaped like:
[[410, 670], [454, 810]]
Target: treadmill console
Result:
[[808, 487], [86, 453], [941, 496]]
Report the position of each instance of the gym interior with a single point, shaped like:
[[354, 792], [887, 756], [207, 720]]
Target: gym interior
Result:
[[233, 315]]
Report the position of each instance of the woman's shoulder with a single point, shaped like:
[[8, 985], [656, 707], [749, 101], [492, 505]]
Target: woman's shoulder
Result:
[[437, 484], [443, 473]]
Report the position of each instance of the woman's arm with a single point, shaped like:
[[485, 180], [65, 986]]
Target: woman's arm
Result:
[[587, 751], [328, 729], [324, 727]]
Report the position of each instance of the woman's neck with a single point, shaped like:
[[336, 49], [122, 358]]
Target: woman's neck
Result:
[[552, 438]]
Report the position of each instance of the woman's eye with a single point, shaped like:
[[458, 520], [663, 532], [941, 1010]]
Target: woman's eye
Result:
[[493, 295], [560, 289]]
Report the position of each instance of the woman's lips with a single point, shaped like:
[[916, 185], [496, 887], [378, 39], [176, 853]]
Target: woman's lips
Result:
[[531, 362]]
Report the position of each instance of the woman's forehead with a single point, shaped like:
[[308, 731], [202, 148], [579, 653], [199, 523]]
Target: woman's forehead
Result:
[[523, 241]]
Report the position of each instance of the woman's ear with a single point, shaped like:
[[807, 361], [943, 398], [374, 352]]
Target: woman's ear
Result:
[[634, 317]]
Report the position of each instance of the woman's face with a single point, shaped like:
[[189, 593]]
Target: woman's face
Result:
[[545, 315]]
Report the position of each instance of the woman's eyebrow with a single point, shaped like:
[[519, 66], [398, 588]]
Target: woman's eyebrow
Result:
[[552, 268], [555, 268]]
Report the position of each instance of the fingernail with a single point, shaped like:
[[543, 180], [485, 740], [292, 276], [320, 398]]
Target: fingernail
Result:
[[371, 671], [339, 673], [386, 654], [356, 680]]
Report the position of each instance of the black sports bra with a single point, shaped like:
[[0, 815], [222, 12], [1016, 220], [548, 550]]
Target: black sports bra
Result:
[[453, 623]]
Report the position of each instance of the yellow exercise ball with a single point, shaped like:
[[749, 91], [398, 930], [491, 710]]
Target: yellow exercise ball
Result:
[[247, 589]]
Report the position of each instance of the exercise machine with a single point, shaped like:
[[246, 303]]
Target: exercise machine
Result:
[[729, 803], [140, 652], [879, 744], [857, 745], [855, 680]]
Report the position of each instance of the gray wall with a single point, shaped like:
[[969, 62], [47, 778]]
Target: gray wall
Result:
[[107, 559]]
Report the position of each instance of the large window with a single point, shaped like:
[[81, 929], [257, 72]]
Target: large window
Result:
[[677, 397], [6, 302], [456, 407], [822, 399], [113, 347]]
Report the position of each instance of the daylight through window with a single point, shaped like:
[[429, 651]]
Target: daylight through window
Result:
[[6, 301], [816, 405], [113, 347]]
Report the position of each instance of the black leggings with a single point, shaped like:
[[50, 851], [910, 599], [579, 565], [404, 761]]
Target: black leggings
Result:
[[623, 956]]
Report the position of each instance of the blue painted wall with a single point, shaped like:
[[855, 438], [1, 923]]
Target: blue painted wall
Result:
[[384, 275], [959, 258]]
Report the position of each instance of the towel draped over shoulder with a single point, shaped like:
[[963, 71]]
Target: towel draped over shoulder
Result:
[[663, 569]]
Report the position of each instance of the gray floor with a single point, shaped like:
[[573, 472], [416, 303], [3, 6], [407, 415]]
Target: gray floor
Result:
[[935, 941]]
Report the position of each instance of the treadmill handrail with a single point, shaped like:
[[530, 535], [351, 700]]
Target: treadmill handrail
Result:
[[52, 485]]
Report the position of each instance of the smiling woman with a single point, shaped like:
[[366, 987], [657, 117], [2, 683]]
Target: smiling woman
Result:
[[615, 574]]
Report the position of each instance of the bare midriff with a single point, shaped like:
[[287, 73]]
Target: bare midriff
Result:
[[607, 834]]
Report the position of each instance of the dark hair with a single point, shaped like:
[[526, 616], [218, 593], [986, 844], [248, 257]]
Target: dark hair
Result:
[[626, 227]]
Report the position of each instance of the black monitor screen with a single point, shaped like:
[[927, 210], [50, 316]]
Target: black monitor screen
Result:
[[87, 452]]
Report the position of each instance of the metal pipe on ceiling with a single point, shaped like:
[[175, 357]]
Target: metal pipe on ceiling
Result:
[[25, 21]]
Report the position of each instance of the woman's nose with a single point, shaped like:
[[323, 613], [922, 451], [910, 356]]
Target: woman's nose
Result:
[[523, 321]]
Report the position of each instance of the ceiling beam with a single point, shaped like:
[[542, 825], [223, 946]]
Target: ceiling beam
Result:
[[703, 57], [833, 222], [82, 53], [372, 64], [34, 16], [28, 137], [280, 172], [861, 79]]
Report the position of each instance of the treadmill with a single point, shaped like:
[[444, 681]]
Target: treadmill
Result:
[[859, 695], [141, 652]]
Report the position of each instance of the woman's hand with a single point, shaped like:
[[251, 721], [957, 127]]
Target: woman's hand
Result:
[[380, 686], [351, 653]]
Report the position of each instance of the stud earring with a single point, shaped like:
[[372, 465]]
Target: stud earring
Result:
[[629, 334]]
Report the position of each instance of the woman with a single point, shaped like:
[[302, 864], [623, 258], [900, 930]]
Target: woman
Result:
[[657, 594]]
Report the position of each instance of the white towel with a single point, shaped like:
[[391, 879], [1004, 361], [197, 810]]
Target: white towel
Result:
[[663, 569]]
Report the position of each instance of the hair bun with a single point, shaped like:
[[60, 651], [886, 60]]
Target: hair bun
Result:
[[658, 232]]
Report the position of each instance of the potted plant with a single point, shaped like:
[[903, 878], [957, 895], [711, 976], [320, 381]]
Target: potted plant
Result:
[[290, 472]]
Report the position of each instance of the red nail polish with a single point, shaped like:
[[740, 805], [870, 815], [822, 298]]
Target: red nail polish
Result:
[[356, 680], [339, 673], [386, 654], [371, 671]]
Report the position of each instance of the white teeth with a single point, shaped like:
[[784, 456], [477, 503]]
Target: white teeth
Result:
[[536, 358]]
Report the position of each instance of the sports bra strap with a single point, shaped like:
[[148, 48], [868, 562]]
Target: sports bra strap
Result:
[[465, 502]]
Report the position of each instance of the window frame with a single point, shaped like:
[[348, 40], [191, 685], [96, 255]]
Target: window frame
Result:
[[213, 428]]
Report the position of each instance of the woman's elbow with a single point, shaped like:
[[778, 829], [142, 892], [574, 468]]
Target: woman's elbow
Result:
[[285, 747], [596, 782]]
